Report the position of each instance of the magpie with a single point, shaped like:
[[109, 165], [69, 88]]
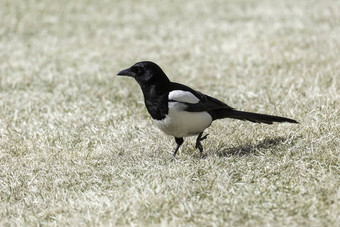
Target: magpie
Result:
[[181, 111]]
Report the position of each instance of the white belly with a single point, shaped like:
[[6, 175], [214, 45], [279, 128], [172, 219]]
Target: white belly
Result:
[[180, 123]]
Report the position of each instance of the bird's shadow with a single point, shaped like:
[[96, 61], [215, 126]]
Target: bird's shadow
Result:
[[252, 149]]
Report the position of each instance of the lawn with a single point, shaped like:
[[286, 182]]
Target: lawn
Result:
[[77, 146]]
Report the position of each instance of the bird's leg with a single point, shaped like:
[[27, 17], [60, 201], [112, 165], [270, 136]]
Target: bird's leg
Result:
[[198, 141], [179, 142]]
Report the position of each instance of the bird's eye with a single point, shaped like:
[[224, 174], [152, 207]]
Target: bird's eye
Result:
[[137, 69]]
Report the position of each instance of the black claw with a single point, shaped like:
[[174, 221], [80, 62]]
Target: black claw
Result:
[[200, 148], [204, 137], [198, 141]]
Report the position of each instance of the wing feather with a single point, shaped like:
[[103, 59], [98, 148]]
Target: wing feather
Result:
[[195, 100]]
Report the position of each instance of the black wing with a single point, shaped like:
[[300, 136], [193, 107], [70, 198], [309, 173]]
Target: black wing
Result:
[[220, 110], [206, 102]]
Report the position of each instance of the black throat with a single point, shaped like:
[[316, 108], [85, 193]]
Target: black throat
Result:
[[156, 98]]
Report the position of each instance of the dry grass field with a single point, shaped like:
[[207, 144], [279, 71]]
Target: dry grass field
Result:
[[77, 146]]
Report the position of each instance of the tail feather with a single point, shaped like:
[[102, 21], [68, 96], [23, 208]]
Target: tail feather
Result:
[[253, 117]]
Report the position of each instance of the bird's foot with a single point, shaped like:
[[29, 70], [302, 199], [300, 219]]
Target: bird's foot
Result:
[[204, 137], [203, 155], [198, 142], [199, 146]]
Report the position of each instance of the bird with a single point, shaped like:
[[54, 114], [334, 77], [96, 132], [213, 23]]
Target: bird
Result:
[[181, 111]]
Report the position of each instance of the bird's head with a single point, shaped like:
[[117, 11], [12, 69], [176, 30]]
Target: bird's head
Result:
[[145, 72]]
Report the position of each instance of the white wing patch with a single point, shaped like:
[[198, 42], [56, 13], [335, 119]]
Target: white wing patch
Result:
[[181, 123], [183, 96]]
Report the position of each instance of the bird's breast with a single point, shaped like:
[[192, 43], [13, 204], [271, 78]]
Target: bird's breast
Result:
[[157, 107], [180, 123]]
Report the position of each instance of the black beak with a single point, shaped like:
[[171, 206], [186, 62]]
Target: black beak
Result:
[[126, 72]]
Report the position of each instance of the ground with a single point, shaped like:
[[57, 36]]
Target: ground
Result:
[[77, 146]]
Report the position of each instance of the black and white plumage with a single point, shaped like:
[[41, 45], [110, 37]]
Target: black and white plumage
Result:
[[180, 111]]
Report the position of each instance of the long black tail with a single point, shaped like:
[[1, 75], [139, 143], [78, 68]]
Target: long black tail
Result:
[[253, 117]]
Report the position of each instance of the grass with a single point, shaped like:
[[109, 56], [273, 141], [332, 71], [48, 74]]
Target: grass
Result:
[[77, 146]]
